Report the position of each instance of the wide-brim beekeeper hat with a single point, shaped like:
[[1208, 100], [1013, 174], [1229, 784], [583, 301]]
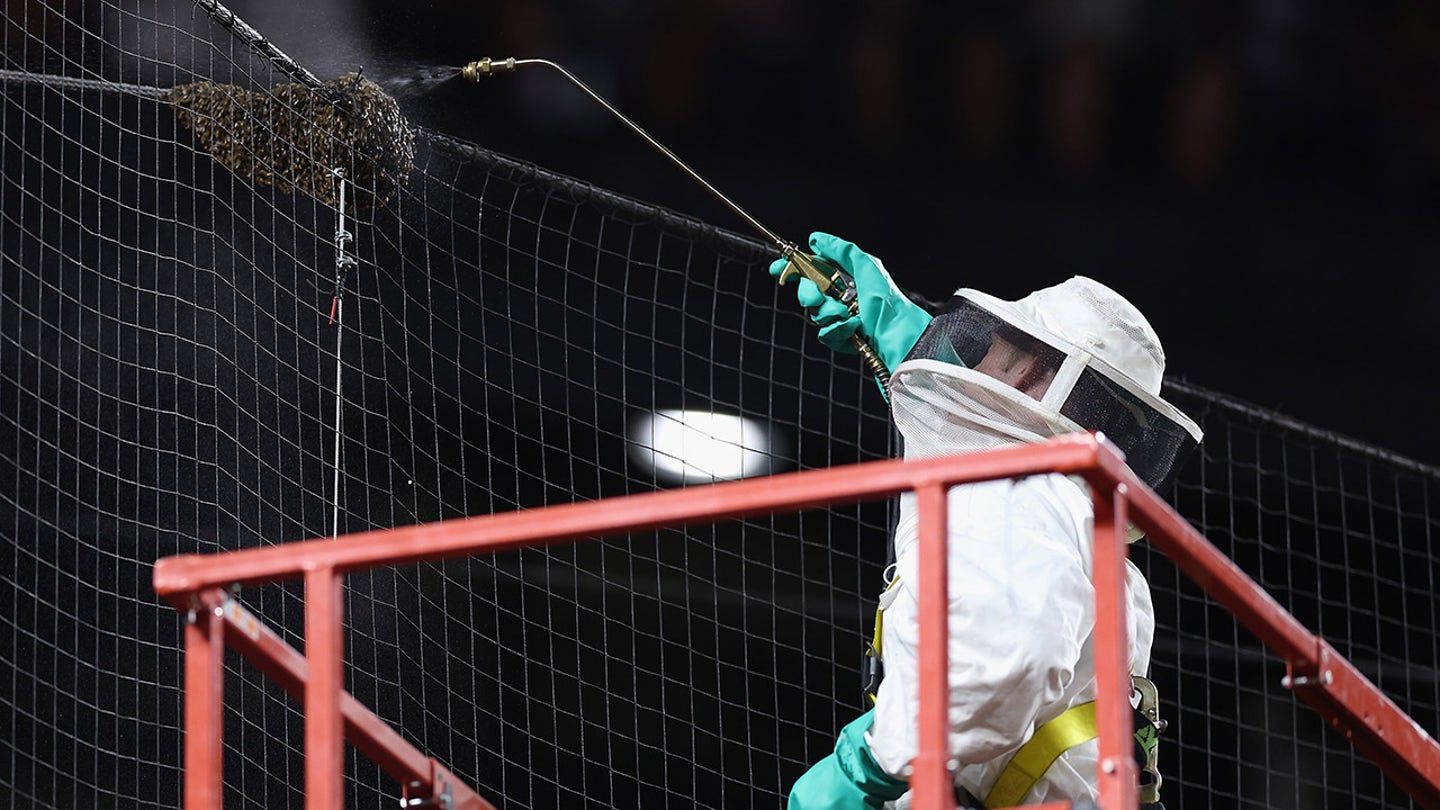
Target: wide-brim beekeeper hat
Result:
[[1102, 358]]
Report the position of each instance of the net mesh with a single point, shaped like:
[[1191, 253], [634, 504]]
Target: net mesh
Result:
[[1344, 537], [172, 380]]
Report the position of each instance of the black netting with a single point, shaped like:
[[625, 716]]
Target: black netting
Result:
[[1344, 536], [169, 380]]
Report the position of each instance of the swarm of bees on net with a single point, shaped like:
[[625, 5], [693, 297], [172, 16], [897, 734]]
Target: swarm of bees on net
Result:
[[294, 138]]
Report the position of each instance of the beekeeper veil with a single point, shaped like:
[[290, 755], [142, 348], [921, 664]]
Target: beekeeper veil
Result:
[[1068, 358]]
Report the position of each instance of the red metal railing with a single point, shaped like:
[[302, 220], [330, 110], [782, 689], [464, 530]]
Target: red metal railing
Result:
[[196, 585]]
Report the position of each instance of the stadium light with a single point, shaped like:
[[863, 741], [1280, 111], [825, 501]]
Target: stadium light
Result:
[[689, 447]]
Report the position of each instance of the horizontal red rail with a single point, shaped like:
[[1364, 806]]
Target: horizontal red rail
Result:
[[194, 582], [1329, 683], [788, 492]]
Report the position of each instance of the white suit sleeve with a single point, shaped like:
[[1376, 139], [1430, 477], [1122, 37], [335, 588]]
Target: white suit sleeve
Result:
[[1021, 609]]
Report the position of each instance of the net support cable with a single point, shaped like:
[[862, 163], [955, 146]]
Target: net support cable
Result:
[[1281, 422], [226, 19], [344, 261]]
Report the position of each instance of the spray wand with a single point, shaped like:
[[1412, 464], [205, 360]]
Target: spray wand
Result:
[[831, 279]]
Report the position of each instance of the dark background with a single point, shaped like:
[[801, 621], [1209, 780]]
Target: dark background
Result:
[[1261, 178], [168, 367]]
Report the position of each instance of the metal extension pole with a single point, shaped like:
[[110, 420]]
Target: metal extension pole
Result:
[[831, 279]]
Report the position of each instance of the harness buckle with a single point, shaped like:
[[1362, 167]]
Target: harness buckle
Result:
[[1148, 728]]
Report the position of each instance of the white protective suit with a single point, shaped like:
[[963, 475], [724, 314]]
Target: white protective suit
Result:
[[1020, 552]]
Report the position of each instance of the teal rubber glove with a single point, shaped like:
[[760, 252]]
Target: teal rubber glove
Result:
[[848, 778], [891, 322]]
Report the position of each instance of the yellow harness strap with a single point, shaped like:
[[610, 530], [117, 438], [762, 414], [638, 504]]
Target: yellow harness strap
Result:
[[873, 658], [1074, 726]]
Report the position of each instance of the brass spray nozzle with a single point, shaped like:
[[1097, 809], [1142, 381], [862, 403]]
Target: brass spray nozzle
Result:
[[486, 67]]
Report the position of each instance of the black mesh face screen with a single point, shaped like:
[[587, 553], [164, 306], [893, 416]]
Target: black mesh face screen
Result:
[[960, 334], [1155, 446], [967, 335]]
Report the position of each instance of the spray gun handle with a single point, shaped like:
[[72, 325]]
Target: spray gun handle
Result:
[[828, 276], [836, 283]]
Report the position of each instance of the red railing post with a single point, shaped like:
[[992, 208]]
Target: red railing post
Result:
[[325, 665], [1118, 771], [931, 782], [1343, 696], [204, 708]]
